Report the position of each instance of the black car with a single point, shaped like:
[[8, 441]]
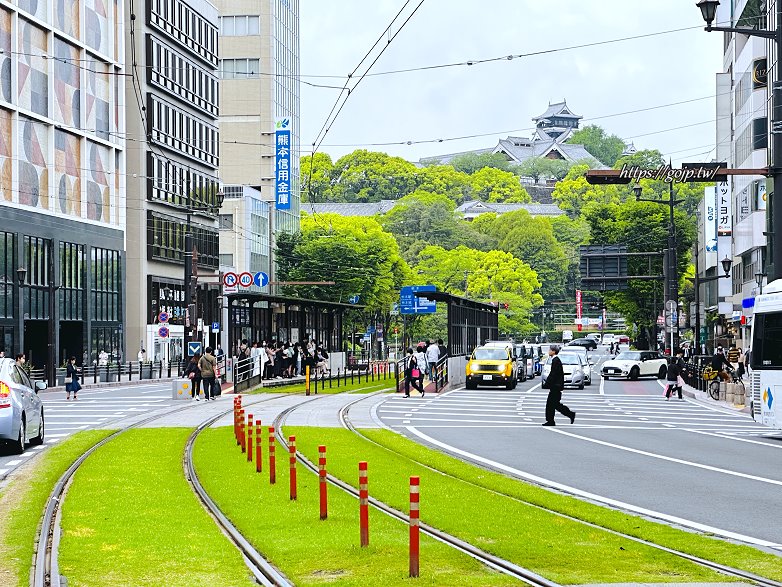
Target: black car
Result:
[[584, 342]]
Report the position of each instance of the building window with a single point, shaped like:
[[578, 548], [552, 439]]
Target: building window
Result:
[[7, 276], [240, 26], [106, 285], [180, 22], [226, 260], [166, 239], [71, 293], [760, 133], [180, 186], [240, 68], [201, 144], [226, 221]]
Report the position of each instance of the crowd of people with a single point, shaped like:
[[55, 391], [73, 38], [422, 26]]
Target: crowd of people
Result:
[[283, 360], [422, 363]]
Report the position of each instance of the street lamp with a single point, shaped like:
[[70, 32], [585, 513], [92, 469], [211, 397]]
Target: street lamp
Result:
[[759, 280], [708, 10], [726, 263]]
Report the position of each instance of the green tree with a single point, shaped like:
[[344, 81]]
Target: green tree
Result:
[[367, 176], [604, 147], [495, 185], [574, 193], [471, 162], [444, 179], [645, 159], [355, 253], [316, 178], [537, 167]]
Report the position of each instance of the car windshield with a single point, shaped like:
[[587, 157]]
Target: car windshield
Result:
[[490, 354], [628, 356], [569, 359]]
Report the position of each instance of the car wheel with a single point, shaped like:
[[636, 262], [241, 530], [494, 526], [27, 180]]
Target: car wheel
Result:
[[588, 382], [634, 373], [18, 446], [662, 372], [511, 384], [38, 440]]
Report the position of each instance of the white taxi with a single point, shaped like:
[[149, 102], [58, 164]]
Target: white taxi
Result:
[[635, 364]]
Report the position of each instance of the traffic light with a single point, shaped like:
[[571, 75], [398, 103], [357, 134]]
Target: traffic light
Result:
[[505, 305]]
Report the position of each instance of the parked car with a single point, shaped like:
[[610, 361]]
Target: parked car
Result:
[[609, 338], [491, 366], [573, 367], [21, 410], [585, 359], [635, 364], [594, 336], [624, 339], [589, 343]]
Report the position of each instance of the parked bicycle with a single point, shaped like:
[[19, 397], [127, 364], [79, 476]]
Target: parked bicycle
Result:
[[713, 377]]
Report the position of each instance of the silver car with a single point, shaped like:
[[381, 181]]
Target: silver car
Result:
[[573, 367], [21, 410]]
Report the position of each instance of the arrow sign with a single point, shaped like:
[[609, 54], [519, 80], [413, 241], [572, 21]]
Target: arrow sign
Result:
[[162, 332], [353, 299], [261, 279], [246, 279], [193, 348], [230, 279]]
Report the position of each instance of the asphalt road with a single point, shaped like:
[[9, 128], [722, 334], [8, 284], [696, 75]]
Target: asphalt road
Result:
[[690, 463], [94, 408]]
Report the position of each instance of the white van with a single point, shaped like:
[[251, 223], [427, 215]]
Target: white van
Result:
[[609, 338], [567, 336]]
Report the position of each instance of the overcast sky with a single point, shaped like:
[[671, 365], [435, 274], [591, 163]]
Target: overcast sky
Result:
[[500, 98]]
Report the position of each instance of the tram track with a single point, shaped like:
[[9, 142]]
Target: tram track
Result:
[[44, 572], [344, 419], [496, 563]]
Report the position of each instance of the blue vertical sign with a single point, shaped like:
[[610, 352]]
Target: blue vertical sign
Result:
[[282, 163]]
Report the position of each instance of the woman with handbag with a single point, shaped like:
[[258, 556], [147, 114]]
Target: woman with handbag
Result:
[[412, 374], [72, 379], [193, 373]]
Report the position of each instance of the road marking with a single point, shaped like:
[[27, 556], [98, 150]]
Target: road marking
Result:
[[670, 459], [602, 386], [15, 462], [602, 499], [732, 437]]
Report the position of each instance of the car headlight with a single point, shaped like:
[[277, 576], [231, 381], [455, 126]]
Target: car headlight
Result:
[[473, 367]]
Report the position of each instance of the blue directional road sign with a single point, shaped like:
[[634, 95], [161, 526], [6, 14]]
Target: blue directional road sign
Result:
[[370, 329], [353, 299], [410, 304], [193, 348], [261, 279]]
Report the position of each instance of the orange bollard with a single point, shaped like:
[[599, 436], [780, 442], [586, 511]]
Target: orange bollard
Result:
[[324, 506], [363, 503], [272, 460], [414, 525], [249, 438], [258, 450], [236, 421], [292, 451], [242, 437]]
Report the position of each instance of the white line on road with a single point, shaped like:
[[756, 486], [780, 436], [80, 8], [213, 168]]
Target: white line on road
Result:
[[602, 499], [670, 459], [732, 437], [14, 462], [602, 386]]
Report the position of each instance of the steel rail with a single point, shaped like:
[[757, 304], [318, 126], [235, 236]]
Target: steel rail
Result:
[[726, 570], [489, 560]]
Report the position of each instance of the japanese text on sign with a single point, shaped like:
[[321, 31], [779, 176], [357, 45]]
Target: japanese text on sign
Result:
[[282, 163], [724, 214]]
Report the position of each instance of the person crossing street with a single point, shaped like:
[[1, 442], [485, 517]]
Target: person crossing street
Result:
[[555, 383]]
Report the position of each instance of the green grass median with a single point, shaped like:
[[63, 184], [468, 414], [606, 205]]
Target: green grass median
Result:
[[23, 499], [314, 552], [713, 549], [562, 550], [130, 518], [355, 386]]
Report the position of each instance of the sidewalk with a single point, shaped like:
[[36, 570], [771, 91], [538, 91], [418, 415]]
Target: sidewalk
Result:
[[704, 398]]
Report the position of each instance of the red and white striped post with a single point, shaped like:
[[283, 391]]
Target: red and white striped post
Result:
[[258, 449], [249, 438], [272, 460], [363, 503], [237, 405], [324, 505], [414, 525], [242, 437], [292, 451]]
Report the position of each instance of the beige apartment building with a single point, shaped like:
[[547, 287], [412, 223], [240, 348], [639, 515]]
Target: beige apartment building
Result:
[[259, 68]]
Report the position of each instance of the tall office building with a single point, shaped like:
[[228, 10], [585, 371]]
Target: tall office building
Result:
[[173, 187], [259, 84], [62, 159]]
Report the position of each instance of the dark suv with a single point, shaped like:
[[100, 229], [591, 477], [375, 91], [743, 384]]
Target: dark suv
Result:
[[588, 343]]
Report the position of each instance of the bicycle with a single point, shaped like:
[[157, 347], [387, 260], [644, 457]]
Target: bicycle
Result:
[[713, 377]]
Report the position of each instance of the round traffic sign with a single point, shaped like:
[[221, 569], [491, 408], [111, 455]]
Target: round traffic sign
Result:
[[163, 317], [230, 279], [163, 332], [261, 279], [245, 279]]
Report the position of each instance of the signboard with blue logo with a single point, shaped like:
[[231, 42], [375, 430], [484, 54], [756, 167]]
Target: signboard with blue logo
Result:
[[215, 327], [410, 304], [282, 163], [353, 299], [193, 348], [261, 279]]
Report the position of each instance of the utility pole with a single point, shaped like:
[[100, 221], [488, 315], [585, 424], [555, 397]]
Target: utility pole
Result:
[[673, 270], [189, 316]]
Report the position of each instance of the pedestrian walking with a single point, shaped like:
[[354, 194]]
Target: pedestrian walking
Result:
[[423, 366], [555, 383], [412, 374], [193, 373], [672, 377], [207, 364], [432, 356], [71, 379]]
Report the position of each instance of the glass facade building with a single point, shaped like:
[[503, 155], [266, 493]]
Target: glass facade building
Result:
[[62, 179]]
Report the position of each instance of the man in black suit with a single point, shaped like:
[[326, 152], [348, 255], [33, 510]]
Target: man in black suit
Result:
[[555, 383]]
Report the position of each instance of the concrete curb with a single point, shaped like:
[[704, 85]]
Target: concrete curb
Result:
[[704, 398], [61, 388]]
